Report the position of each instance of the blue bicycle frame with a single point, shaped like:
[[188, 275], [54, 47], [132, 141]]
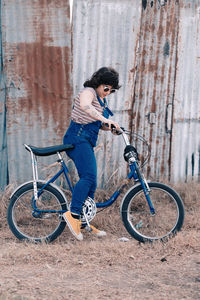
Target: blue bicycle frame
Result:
[[134, 172]]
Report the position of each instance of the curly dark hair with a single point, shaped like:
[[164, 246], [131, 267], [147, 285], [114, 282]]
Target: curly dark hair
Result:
[[104, 75]]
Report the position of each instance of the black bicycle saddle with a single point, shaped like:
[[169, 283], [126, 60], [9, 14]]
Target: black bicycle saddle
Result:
[[45, 151]]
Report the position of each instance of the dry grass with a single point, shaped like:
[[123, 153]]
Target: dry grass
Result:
[[106, 268]]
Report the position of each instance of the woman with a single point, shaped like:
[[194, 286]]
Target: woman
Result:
[[89, 114]]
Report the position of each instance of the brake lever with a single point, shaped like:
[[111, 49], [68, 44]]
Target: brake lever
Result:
[[113, 129]]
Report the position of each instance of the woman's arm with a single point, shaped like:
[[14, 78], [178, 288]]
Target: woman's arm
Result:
[[86, 98]]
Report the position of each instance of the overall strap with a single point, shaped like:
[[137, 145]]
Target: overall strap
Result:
[[107, 112]]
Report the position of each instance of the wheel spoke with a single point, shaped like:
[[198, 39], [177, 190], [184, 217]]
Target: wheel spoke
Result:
[[141, 224], [33, 225]]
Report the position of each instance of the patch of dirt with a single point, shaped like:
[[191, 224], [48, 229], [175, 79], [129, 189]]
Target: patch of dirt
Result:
[[103, 268]]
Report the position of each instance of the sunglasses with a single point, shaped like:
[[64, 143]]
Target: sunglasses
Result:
[[107, 89]]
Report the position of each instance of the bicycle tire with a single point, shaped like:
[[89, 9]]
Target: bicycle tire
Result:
[[24, 225], [141, 224]]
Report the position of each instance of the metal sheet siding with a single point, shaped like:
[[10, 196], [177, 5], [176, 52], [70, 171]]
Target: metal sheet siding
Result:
[[154, 85], [105, 33], [37, 63], [45, 59], [3, 137], [186, 123]]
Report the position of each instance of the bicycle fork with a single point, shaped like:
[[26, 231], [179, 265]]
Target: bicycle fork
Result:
[[138, 176], [147, 192], [146, 189]]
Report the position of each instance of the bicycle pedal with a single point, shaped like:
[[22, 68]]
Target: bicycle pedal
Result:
[[88, 228]]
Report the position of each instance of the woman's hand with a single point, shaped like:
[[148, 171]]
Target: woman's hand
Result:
[[112, 126]]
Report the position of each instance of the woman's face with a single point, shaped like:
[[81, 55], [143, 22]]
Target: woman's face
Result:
[[104, 90]]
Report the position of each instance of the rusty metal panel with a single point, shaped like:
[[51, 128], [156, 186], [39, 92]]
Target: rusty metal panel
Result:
[[186, 119], [3, 137], [154, 45], [37, 62], [106, 33], [154, 84]]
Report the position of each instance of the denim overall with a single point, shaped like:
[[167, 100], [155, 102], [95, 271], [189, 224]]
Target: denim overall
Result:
[[84, 137]]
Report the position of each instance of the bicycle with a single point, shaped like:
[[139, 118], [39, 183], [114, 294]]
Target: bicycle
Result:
[[149, 210]]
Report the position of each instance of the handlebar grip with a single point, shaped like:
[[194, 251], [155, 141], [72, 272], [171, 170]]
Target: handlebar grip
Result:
[[112, 126]]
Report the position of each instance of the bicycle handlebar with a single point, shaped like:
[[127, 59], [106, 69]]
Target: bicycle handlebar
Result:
[[113, 128], [125, 134]]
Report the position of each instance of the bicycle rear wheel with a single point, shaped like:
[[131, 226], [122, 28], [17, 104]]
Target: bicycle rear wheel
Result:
[[141, 224], [36, 227]]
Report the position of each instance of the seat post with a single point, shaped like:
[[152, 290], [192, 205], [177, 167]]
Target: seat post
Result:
[[34, 166], [34, 170], [60, 156], [35, 174]]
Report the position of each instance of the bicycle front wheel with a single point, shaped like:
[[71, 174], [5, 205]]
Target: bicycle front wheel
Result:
[[141, 224], [36, 227]]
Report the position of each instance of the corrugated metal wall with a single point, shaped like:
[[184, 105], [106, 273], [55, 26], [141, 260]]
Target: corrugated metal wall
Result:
[[3, 136], [186, 125], [36, 37], [154, 45], [106, 33], [147, 42], [139, 39], [154, 84]]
